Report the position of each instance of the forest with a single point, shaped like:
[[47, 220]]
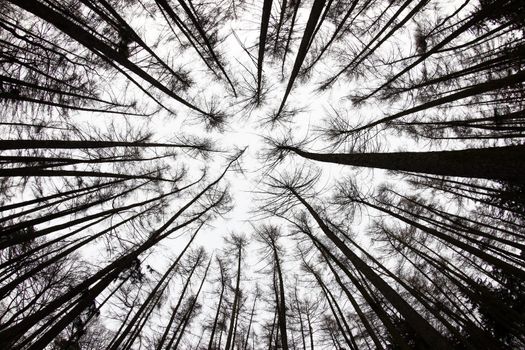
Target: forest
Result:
[[259, 175]]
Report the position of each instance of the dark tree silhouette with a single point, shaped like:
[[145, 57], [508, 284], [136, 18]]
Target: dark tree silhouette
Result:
[[159, 191]]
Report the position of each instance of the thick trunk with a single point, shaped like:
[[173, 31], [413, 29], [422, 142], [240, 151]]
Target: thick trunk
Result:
[[319, 23], [496, 163], [265, 18], [78, 144]]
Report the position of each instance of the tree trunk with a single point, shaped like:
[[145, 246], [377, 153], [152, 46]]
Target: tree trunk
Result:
[[265, 18], [315, 13], [210, 344], [281, 307], [496, 163], [235, 302], [433, 338]]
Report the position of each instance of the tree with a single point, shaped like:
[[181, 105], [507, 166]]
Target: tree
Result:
[[497, 163], [237, 245], [115, 223], [269, 236]]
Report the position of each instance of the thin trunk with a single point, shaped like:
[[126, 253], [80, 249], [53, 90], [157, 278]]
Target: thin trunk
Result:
[[245, 345], [474, 20], [354, 303], [97, 46], [191, 308], [310, 329], [315, 13], [509, 268], [210, 344], [334, 35], [219, 304], [174, 311], [289, 38], [430, 335], [235, 302], [300, 318], [196, 23], [157, 290], [284, 4], [270, 339], [9, 334], [281, 307]]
